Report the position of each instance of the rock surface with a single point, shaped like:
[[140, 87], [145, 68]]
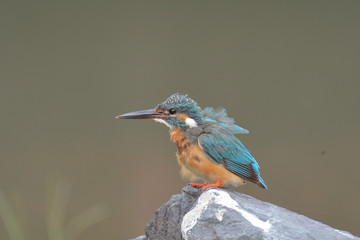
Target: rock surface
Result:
[[225, 214]]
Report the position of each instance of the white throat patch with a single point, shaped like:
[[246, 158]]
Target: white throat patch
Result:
[[190, 122], [162, 121]]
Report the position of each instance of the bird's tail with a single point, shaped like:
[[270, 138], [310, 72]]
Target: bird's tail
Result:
[[261, 183], [258, 180]]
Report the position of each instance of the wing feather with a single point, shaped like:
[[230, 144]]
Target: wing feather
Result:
[[224, 148]]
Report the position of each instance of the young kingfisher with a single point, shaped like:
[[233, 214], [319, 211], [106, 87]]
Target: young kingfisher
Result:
[[206, 145]]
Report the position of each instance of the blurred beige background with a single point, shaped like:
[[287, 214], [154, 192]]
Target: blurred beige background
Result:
[[287, 71]]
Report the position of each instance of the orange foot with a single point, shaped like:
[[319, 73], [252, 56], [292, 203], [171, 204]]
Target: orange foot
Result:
[[198, 185], [217, 184]]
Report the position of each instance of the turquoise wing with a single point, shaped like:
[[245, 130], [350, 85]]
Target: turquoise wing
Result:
[[224, 148]]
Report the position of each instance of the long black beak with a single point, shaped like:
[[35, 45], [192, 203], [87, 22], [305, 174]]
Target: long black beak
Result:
[[149, 113]]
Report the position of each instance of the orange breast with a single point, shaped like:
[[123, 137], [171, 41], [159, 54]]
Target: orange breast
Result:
[[195, 164]]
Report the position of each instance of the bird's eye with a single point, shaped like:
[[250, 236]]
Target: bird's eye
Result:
[[172, 111]]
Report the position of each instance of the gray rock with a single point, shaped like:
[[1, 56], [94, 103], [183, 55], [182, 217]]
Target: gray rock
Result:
[[166, 221], [225, 214]]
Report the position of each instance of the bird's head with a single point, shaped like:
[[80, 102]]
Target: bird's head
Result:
[[178, 111]]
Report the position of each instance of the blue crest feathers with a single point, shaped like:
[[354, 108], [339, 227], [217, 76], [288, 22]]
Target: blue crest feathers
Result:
[[220, 116]]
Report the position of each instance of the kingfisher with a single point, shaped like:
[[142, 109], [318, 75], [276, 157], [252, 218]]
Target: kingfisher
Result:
[[207, 149]]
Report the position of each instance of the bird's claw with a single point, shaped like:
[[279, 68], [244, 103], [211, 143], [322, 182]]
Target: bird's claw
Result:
[[217, 184], [198, 185]]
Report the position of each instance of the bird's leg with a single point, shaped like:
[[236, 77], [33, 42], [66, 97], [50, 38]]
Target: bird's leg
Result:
[[198, 185], [217, 184]]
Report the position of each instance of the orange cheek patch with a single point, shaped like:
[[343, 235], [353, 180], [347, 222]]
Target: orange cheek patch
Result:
[[182, 117]]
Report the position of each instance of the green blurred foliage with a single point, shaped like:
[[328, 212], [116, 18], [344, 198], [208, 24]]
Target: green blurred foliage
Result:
[[286, 70], [57, 199]]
